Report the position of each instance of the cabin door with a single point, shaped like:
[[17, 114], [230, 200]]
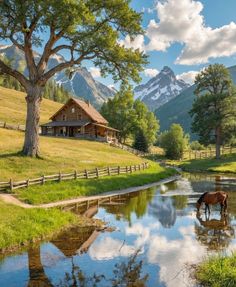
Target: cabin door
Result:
[[71, 132]]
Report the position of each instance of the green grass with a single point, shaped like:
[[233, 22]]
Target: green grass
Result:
[[52, 192], [218, 272], [19, 226], [227, 164], [58, 154], [13, 107]]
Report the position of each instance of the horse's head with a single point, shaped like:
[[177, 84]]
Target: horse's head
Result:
[[198, 205]]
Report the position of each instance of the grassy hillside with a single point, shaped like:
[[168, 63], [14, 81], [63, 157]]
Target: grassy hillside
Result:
[[57, 154], [177, 110], [13, 107]]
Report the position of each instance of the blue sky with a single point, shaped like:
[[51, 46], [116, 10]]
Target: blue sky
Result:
[[208, 35]]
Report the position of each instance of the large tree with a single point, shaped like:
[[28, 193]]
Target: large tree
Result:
[[82, 30], [214, 109]]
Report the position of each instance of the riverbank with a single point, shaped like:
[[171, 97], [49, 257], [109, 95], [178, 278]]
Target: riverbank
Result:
[[217, 271], [227, 164], [52, 192]]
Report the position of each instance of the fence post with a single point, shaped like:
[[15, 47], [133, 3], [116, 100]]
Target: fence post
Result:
[[11, 184], [59, 176], [43, 179], [75, 174], [86, 173], [118, 169], [131, 169], [4, 125], [97, 172], [108, 170], [27, 182]]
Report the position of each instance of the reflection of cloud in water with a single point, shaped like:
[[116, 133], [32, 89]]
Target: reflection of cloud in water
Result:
[[171, 255], [108, 248], [143, 233], [164, 211]]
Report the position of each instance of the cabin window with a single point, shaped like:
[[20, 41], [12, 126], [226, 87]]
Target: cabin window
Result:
[[79, 116], [64, 117], [73, 110]]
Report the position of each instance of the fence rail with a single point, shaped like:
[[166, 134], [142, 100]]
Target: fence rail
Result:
[[8, 126], [207, 153], [129, 149], [86, 174]]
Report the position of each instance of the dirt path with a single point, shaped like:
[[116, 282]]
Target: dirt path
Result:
[[8, 198]]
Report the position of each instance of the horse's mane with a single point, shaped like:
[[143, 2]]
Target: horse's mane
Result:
[[201, 197]]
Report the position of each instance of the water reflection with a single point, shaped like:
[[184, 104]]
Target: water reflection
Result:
[[158, 234], [214, 233]]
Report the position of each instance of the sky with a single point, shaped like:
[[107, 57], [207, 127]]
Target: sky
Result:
[[186, 35]]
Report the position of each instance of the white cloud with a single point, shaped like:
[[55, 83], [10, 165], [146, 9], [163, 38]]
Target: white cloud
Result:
[[181, 21], [188, 77], [109, 248], [151, 72], [95, 72], [136, 43]]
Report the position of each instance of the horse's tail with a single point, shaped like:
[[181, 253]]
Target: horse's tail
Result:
[[200, 200]]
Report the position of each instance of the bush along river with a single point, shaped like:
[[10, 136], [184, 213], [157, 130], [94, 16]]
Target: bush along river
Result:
[[155, 239]]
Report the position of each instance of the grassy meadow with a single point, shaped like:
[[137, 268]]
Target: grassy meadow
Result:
[[58, 154], [19, 226], [227, 164], [13, 107]]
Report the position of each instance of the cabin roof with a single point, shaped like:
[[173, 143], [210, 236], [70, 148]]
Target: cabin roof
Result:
[[79, 123], [104, 126], [87, 108]]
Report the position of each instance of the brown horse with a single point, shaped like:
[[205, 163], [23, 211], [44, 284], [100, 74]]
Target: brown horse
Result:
[[213, 198]]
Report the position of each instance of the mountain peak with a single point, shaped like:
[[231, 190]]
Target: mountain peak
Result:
[[160, 89]]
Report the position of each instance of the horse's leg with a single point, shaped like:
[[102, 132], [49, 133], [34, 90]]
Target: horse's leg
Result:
[[225, 206], [221, 207]]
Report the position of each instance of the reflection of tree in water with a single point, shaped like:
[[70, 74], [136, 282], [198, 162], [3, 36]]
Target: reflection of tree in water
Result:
[[180, 201], [164, 211], [215, 234], [125, 274], [132, 203], [128, 274]]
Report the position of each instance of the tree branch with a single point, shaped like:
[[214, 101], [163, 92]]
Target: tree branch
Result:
[[14, 73]]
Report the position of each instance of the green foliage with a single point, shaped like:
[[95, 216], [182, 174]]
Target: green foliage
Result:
[[214, 109], [217, 271], [91, 30], [174, 142], [140, 141], [55, 92], [130, 116], [195, 145]]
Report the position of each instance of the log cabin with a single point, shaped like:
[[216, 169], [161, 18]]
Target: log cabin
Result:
[[80, 119]]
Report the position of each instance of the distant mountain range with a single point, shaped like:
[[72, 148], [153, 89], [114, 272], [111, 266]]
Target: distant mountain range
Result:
[[177, 109], [160, 89], [81, 85]]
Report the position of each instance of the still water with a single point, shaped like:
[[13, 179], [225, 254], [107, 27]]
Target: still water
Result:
[[156, 241]]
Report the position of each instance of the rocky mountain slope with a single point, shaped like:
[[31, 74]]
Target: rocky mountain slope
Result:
[[82, 84], [177, 109], [160, 89]]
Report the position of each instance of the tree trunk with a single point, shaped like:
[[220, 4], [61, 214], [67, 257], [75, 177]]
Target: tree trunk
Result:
[[218, 142], [33, 100]]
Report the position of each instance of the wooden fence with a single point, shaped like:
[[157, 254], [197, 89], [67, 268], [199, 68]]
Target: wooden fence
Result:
[[8, 126], [210, 153], [129, 149], [86, 174]]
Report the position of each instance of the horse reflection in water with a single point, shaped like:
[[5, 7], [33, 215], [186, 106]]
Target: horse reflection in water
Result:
[[213, 198], [214, 233]]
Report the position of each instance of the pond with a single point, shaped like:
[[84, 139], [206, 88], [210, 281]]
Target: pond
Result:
[[156, 241]]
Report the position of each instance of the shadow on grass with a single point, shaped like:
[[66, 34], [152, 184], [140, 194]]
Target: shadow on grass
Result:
[[20, 155]]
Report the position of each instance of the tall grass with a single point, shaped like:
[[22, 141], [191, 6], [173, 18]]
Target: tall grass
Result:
[[218, 272]]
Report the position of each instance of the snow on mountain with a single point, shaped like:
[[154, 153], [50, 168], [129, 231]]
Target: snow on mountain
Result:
[[160, 89]]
